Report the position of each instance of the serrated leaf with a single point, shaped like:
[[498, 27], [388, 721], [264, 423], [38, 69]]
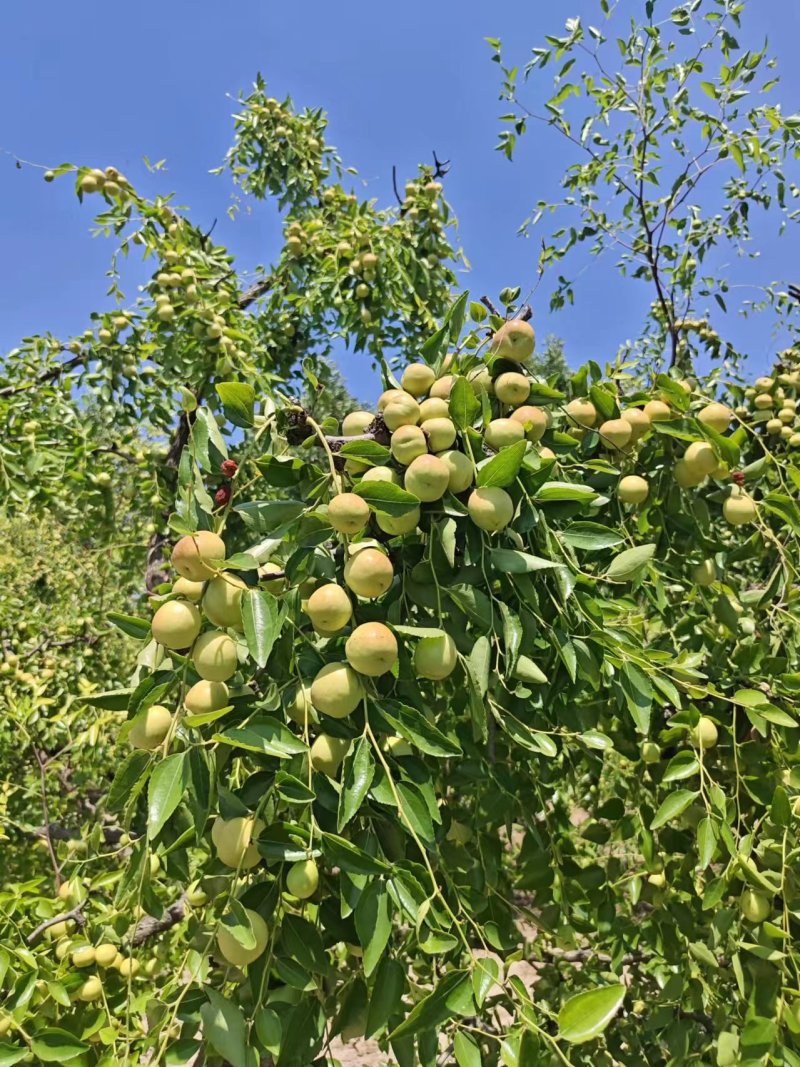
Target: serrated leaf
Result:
[[591, 536], [262, 623], [413, 725], [555, 491], [512, 561], [165, 791]]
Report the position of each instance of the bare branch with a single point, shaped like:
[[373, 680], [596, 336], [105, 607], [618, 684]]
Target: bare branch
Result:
[[149, 927], [394, 186]]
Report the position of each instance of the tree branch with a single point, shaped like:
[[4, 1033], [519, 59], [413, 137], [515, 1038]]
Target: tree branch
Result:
[[46, 375], [75, 914], [149, 927]]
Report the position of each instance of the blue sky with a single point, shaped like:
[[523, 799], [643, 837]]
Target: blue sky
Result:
[[397, 81]]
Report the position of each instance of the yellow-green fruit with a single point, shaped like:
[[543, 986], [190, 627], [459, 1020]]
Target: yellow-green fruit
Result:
[[442, 387], [427, 477], [222, 602], [329, 609], [400, 524], [299, 708], [232, 839], [388, 395], [327, 754], [435, 657], [764, 384], [348, 513], [150, 727], [371, 649], [357, 422], [368, 572], [303, 879], [512, 388], [481, 381], [275, 585], [128, 967], [490, 508], [92, 989], [402, 411], [716, 416], [382, 474], [685, 476], [657, 411], [189, 590], [650, 752], [705, 734], [58, 930], [176, 624], [640, 423], [418, 378], [581, 413], [739, 509], [105, 955], [615, 433], [762, 402], [233, 951], [196, 897], [774, 427], [787, 416], [407, 443], [534, 421], [704, 573], [83, 956], [515, 340], [337, 690], [441, 434], [193, 555], [794, 440], [633, 489], [433, 408], [787, 433], [700, 458], [214, 656], [502, 432], [206, 696], [754, 906], [460, 470]]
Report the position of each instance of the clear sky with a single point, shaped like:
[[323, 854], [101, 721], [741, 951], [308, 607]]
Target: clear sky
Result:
[[112, 83]]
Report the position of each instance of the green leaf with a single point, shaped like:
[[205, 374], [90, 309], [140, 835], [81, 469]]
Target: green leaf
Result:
[[57, 1046], [675, 804], [502, 469], [165, 791], [604, 401], [464, 405], [349, 857], [590, 536], [456, 315], [415, 811], [466, 1050], [512, 561], [129, 624], [451, 996], [373, 923], [388, 498], [238, 402], [128, 774], [706, 842], [359, 770], [638, 694], [268, 1030], [268, 516], [11, 1054], [262, 623], [367, 452], [266, 736], [413, 725], [552, 491], [683, 765], [225, 1029], [387, 993], [630, 563], [527, 671], [586, 1015], [111, 700]]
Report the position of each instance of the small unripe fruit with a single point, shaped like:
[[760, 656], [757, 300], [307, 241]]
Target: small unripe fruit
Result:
[[705, 734], [83, 956], [303, 879], [327, 753], [214, 656], [490, 508], [704, 573], [176, 624], [640, 422], [368, 572], [433, 408], [88, 184], [193, 555], [503, 432], [196, 897], [329, 609], [435, 658], [388, 395], [105, 955], [441, 434], [657, 411], [739, 509], [754, 906], [232, 839], [400, 524], [515, 341], [442, 387], [49, 176], [633, 489], [615, 433], [371, 649], [356, 423], [685, 476], [150, 727], [512, 388], [92, 989], [787, 416], [581, 413], [233, 951], [222, 602], [348, 513], [189, 590], [407, 443], [382, 474], [401, 411], [534, 421], [774, 427], [337, 690], [460, 470], [418, 378], [764, 384], [700, 458], [762, 402], [650, 752], [206, 696], [481, 381], [427, 477], [299, 708]]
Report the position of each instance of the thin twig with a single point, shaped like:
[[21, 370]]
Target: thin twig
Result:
[[394, 185]]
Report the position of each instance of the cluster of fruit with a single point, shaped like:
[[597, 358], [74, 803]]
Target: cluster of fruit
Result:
[[769, 406], [109, 182]]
